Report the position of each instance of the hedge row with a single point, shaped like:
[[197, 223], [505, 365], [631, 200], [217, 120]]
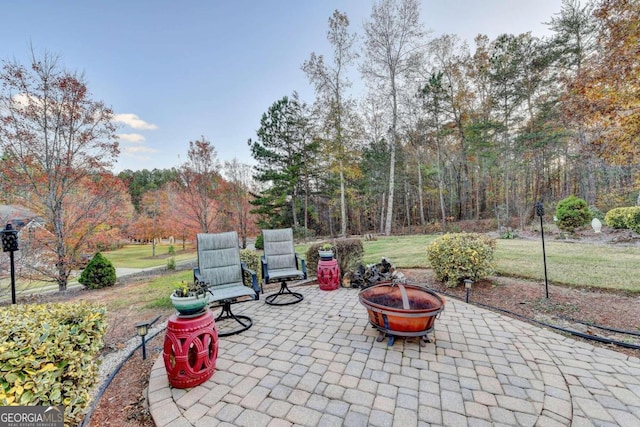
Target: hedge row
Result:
[[48, 355], [622, 218]]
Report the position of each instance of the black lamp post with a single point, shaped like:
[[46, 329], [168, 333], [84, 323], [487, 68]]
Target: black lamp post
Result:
[[10, 244], [467, 286], [142, 328], [540, 213]]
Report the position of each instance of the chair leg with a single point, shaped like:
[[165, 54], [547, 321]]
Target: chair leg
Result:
[[290, 297], [245, 321]]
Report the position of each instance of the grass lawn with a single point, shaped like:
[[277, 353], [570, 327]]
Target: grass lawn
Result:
[[140, 256], [154, 294], [573, 264]]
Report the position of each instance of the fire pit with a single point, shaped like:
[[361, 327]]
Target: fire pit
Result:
[[401, 310]]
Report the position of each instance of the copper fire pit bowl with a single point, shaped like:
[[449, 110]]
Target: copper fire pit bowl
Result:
[[401, 310]]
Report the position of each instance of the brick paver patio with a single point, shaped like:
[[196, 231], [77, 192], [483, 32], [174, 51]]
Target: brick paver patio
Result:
[[317, 363]]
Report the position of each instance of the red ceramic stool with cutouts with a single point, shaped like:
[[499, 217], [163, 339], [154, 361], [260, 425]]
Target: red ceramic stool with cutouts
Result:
[[328, 274], [190, 349]]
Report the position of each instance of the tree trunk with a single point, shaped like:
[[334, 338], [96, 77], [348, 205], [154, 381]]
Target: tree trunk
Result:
[[382, 199], [441, 190], [392, 171], [420, 198], [343, 204]]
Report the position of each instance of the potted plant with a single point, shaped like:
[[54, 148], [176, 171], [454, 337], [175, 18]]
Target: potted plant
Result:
[[326, 252], [190, 298]]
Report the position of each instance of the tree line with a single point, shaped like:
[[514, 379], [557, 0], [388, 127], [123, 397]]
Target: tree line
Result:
[[444, 132], [448, 131]]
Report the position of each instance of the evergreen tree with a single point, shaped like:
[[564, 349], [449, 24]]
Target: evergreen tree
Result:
[[282, 150]]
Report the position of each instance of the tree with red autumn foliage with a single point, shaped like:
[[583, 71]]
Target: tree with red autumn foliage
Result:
[[198, 180], [238, 198], [57, 143]]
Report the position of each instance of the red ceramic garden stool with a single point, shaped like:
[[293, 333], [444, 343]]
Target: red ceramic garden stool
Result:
[[190, 349], [328, 274]]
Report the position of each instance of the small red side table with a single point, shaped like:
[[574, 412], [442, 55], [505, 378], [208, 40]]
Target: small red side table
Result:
[[328, 274], [190, 349]]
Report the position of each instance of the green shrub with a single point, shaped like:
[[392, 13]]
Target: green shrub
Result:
[[572, 213], [252, 261], [171, 264], [48, 355], [458, 256], [632, 218], [99, 273], [259, 242], [616, 218], [596, 213], [348, 252], [171, 250]]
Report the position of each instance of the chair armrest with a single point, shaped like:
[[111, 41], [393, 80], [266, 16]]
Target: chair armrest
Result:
[[197, 276], [265, 269], [303, 265], [254, 279]]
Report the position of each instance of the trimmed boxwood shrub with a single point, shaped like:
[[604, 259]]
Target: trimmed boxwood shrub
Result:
[[458, 256], [348, 252], [99, 273], [624, 218], [572, 213], [633, 218], [615, 218]]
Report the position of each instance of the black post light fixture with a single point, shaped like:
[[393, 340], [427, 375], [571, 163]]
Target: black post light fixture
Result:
[[467, 286], [10, 244], [540, 213], [142, 329]]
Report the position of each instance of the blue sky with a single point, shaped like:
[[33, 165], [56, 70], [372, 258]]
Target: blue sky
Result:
[[176, 70]]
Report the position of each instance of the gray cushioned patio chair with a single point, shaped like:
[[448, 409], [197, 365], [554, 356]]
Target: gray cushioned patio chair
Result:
[[281, 263], [220, 268]]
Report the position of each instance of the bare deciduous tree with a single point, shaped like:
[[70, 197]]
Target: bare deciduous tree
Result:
[[392, 45], [57, 142], [331, 82], [198, 179]]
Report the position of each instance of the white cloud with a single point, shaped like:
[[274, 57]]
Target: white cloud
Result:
[[130, 137], [134, 121], [138, 150]]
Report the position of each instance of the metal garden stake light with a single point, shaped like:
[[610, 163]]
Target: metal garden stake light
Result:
[[540, 213], [142, 328], [467, 286], [10, 244]]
